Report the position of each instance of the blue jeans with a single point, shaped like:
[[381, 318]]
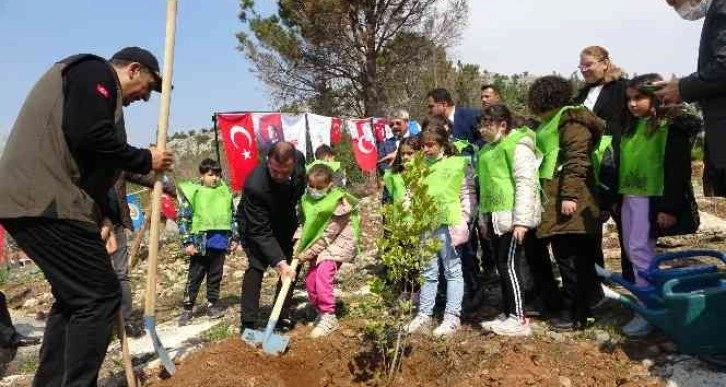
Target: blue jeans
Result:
[[448, 260]]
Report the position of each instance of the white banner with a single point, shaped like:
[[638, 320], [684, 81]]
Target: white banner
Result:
[[293, 127], [319, 127]]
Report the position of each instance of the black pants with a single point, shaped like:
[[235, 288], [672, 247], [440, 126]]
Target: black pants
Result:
[[509, 254], [87, 296], [251, 286], [211, 266], [539, 264], [120, 262], [575, 255], [7, 330], [625, 265], [470, 264]]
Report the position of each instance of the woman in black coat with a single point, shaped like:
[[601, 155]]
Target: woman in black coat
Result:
[[604, 94]]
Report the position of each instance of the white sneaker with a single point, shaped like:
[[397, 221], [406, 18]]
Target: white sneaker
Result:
[[513, 326], [325, 326], [488, 324], [637, 327], [417, 323], [447, 328]]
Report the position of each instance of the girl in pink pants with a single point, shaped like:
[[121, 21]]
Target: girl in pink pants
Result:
[[654, 179], [326, 238]]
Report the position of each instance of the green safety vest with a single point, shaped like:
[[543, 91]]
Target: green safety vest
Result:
[[461, 144], [211, 206], [444, 186], [641, 160], [317, 215], [597, 156], [334, 165], [395, 185], [548, 142], [496, 163]]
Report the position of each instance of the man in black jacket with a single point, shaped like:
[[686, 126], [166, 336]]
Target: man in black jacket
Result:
[[267, 220], [707, 86], [66, 150]]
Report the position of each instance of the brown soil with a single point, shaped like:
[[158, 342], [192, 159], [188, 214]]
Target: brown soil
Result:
[[469, 359]]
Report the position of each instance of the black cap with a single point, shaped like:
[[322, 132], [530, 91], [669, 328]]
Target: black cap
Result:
[[144, 57]]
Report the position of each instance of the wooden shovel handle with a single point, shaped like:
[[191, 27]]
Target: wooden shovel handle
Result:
[[286, 282], [150, 299]]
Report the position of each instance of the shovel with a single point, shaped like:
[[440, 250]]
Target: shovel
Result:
[[150, 301], [128, 362], [272, 344]]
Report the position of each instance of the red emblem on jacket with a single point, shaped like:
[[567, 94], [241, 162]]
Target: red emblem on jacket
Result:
[[102, 90]]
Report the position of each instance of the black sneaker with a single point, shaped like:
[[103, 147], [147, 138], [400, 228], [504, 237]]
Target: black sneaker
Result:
[[185, 317], [215, 311]]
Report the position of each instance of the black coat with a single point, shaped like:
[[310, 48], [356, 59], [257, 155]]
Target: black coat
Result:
[[707, 86], [678, 199], [611, 106], [267, 215]]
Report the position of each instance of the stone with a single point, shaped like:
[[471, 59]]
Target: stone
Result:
[[647, 363], [565, 381], [602, 338], [238, 274], [30, 303]]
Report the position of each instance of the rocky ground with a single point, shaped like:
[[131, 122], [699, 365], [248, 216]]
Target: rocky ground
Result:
[[210, 353]]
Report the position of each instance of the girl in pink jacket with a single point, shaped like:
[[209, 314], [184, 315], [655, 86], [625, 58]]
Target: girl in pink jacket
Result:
[[326, 238]]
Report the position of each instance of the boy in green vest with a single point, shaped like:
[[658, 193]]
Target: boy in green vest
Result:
[[509, 206], [326, 238], [206, 227]]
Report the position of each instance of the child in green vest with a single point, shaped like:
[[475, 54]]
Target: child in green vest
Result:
[[206, 226], [394, 188], [566, 139], [509, 206], [326, 238], [654, 203], [451, 185], [326, 154]]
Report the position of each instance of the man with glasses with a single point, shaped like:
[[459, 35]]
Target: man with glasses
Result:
[[398, 119], [66, 150]]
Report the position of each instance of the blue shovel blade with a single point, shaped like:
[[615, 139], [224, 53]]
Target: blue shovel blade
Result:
[[252, 337], [150, 326], [275, 344]]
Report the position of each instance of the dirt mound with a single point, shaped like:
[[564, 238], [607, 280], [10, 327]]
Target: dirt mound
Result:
[[469, 359]]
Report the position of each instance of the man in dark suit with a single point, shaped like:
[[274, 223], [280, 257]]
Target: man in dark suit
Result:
[[707, 86], [465, 120], [267, 220]]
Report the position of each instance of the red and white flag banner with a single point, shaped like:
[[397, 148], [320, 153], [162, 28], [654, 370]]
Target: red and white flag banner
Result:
[[320, 128], [240, 146], [381, 130], [293, 127], [363, 143], [336, 130], [267, 129]]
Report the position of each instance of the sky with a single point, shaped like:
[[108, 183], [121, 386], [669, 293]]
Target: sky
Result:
[[210, 75]]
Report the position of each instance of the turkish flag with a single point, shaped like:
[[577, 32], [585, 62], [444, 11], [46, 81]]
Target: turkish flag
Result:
[[336, 130], [240, 146], [363, 143]]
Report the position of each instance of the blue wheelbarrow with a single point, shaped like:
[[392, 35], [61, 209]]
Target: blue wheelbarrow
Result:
[[691, 312], [652, 295]]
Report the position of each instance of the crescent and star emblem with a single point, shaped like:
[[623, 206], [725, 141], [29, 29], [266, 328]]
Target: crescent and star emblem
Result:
[[238, 129]]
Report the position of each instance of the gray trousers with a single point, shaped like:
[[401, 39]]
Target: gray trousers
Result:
[[120, 262]]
